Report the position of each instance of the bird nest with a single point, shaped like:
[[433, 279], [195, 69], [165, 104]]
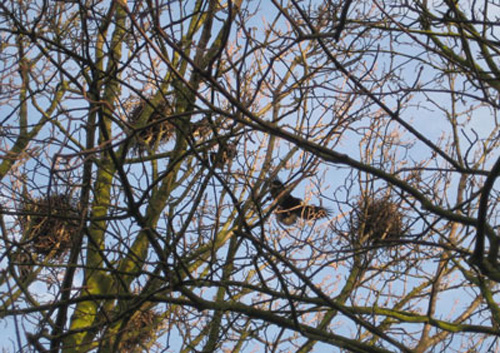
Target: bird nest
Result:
[[224, 156], [376, 220], [49, 224], [139, 331], [157, 129]]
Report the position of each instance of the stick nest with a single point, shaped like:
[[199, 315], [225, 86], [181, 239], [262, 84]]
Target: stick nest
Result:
[[49, 224], [157, 130], [377, 219], [139, 331]]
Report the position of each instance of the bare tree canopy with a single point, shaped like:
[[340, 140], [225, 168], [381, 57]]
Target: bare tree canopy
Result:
[[245, 176]]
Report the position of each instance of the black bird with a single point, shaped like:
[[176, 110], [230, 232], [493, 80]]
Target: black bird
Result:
[[290, 208]]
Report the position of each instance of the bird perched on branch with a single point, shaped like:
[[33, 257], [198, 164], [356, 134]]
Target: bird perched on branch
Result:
[[290, 208]]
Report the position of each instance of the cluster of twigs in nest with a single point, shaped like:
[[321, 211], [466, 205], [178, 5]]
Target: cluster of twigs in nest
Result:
[[49, 224], [157, 130], [224, 156], [139, 330], [376, 220]]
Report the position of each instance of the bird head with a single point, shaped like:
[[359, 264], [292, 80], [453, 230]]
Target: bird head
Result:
[[277, 188]]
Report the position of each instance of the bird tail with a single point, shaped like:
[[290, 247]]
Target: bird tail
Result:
[[311, 212]]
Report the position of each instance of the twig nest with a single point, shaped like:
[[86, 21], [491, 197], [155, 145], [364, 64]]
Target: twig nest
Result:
[[224, 156], [50, 224], [157, 129], [139, 331], [376, 219]]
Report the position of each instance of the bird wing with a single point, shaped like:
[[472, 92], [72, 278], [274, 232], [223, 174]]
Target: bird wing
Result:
[[290, 207]]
